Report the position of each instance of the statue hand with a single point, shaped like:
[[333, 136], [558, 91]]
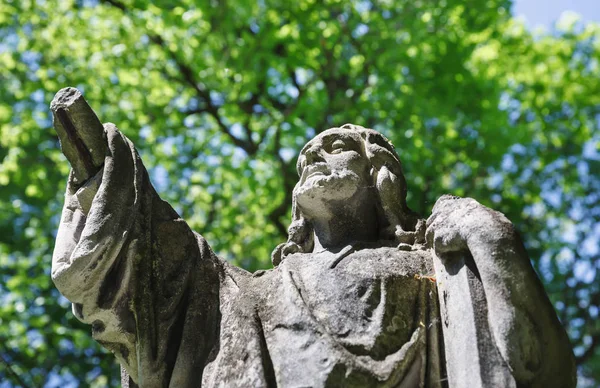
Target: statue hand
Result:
[[459, 224], [81, 134]]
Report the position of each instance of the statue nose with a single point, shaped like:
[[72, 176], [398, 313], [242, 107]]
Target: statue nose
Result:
[[314, 154]]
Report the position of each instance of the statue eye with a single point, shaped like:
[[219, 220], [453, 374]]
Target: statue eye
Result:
[[337, 146]]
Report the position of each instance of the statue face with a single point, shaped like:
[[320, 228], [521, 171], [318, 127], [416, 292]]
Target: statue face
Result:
[[332, 168]]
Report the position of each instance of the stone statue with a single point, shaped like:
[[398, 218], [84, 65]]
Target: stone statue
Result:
[[364, 293]]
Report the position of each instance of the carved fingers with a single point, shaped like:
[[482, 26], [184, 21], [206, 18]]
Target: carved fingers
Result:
[[81, 134], [451, 223], [459, 224]]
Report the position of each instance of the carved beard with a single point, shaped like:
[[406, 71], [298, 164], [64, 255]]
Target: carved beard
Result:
[[322, 187]]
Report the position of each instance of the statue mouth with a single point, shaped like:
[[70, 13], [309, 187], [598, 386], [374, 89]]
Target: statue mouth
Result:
[[314, 174], [314, 170]]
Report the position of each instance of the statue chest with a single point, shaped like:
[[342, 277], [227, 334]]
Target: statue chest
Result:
[[369, 301]]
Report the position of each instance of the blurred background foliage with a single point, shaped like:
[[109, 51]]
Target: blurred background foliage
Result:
[[220, 96]]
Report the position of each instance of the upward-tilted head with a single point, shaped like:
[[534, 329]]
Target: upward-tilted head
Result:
[[355, 166]]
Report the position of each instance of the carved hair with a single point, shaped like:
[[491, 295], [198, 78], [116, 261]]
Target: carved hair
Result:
[[397, 222]]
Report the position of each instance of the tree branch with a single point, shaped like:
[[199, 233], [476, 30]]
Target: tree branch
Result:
[[187, 74], [116, 4], [188, 77], [12, 372]]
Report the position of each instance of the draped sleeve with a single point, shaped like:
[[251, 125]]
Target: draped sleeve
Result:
[[136, 273]]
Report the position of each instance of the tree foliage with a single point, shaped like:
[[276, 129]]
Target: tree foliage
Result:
[[220, 96]]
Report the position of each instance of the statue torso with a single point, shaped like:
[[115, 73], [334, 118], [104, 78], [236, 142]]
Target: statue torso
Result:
[[368, 301], [364, 317]]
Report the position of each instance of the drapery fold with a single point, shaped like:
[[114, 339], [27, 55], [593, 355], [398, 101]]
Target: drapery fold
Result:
[[135, 271]]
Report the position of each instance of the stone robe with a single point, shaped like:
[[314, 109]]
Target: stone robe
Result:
[[176, 315]]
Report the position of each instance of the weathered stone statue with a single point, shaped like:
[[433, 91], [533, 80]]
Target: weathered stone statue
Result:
[[363, 293]]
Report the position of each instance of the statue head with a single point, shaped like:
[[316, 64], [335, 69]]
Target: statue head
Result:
[[343, 164]]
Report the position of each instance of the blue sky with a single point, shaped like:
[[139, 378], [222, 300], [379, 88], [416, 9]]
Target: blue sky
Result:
[[546, 12]]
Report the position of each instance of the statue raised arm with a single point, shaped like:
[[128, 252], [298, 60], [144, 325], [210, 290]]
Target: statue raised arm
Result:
[[129, 264], [352, 300]]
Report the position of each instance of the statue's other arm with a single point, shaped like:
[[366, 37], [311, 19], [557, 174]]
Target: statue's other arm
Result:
[[130, 265], [521, 318]]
